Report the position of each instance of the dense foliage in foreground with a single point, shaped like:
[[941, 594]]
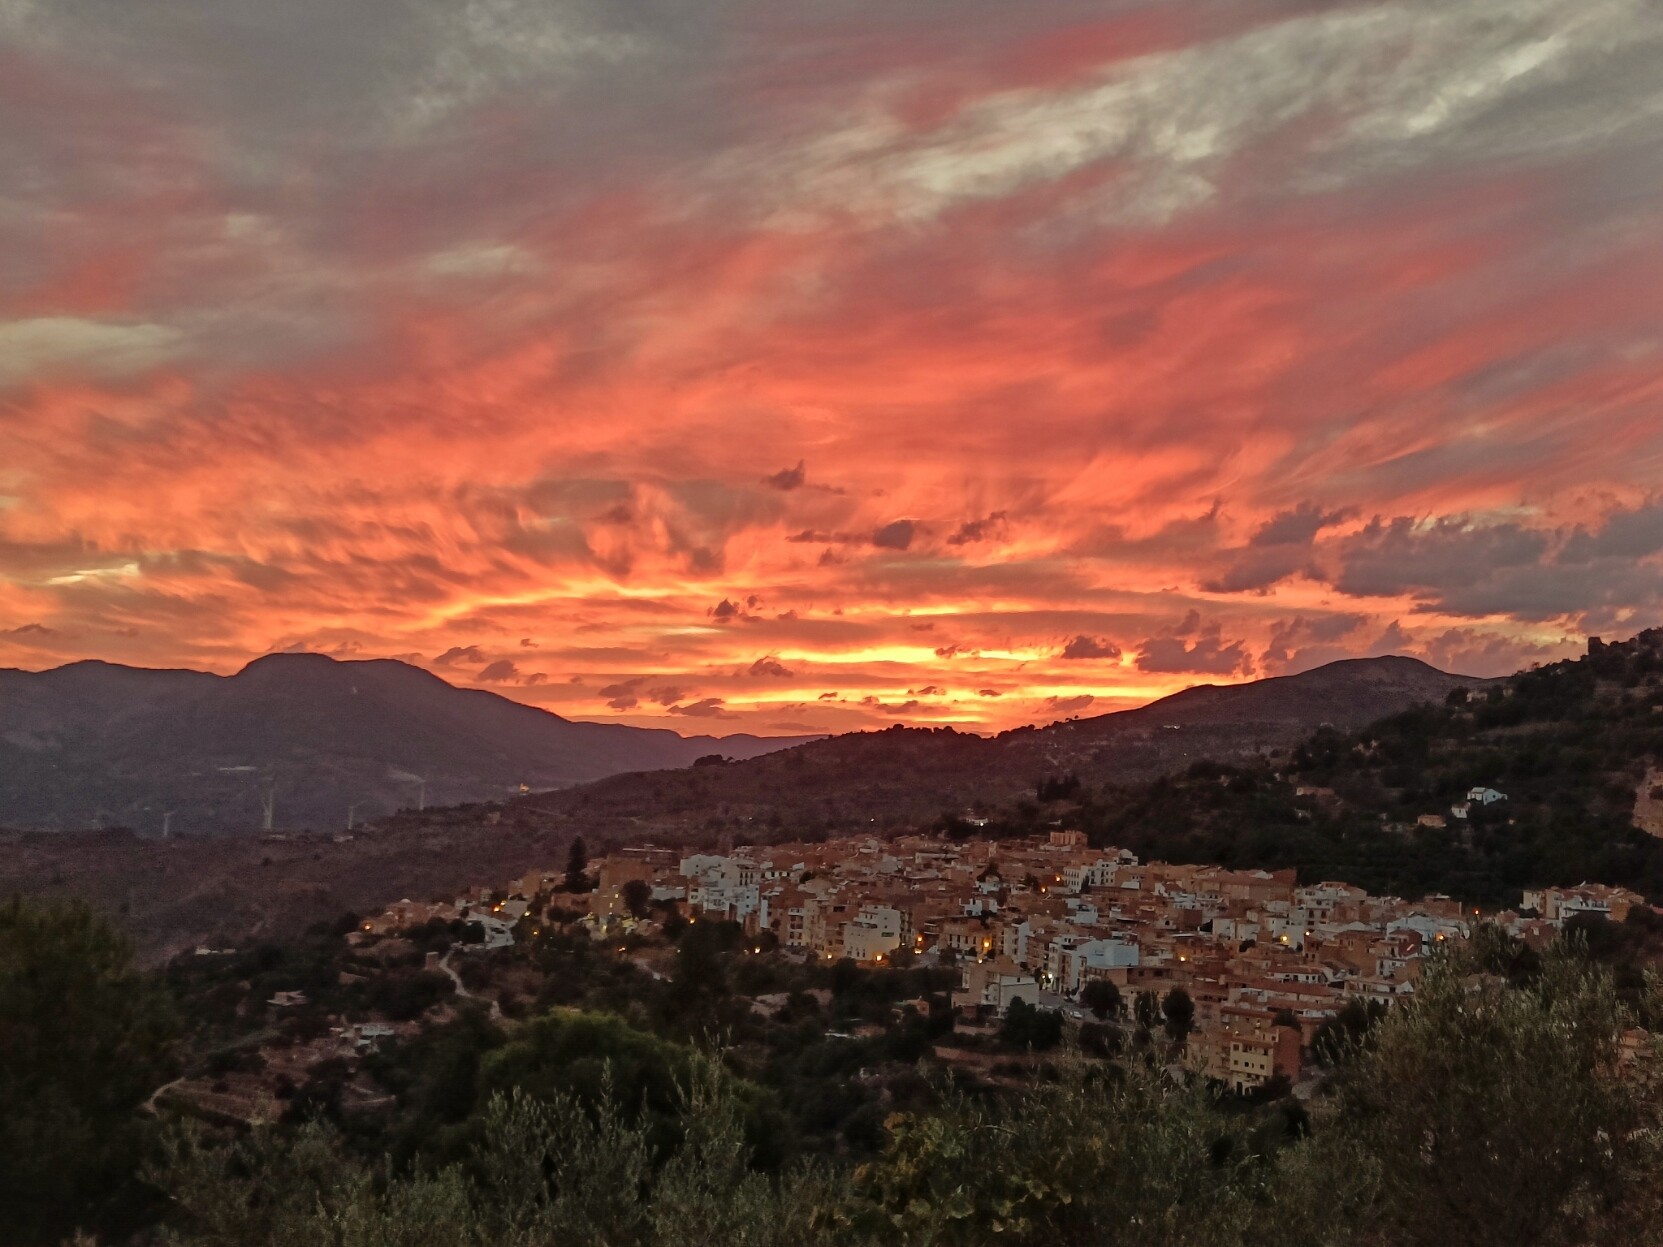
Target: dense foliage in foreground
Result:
[[84, 1039], [1501, 1106], [1482, 1113]]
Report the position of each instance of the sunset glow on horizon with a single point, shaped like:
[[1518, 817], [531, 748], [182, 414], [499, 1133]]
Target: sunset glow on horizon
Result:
[[805, 368]]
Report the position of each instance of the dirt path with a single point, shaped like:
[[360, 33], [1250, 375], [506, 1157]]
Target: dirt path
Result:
[[149, 1106], [1648, 802], [461, 989]]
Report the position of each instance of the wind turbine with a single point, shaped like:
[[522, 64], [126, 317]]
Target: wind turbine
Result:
[[167, 822], [268, 803], [410, 777], [352, 810]]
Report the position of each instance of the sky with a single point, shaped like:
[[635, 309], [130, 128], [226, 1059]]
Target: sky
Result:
[[778, 366]]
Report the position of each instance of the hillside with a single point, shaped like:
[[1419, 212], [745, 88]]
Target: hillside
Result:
[[172, 895], [1573, 747], [93, 744], [901, 777]]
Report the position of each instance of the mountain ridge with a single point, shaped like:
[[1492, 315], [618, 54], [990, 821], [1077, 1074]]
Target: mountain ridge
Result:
[[902, 776], [95, 743], [191, 889]]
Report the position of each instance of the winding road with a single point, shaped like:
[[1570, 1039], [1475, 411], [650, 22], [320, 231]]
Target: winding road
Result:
[[461, 989]]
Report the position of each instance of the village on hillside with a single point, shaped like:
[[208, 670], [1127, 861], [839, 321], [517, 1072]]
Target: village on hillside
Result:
[[1262, 961], [1238, 970]]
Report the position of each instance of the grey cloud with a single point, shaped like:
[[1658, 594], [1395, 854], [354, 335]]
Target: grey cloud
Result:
[[1066, 705], [1452, 87], [627, 694], [1258, 568], [1279, 548], [1394, 640], [1308, 641], [1397, 556], [459, 653], [1458, 567], [498, 672], [904, 707], [1300, 525], [977, 530], [894, 536], [1632, 534], [1468, 651], [1556, 590], [727, 610], [31, 348], [622, 695], [709, 708], [787, 478], [1090, 647], [1194, 648]]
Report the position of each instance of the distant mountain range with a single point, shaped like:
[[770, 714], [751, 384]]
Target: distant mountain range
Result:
[[97, 745], [93, 744], [904, 776]]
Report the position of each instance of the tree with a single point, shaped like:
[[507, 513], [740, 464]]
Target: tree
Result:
[[1346, 1033], [1147, 1010], [404, 995], [84, 1040], [553, 1169], [1089, 1159], [700, 979], [1101, 997], [1179, 1011], [577, 863], [1496, 1115], [1030, 1029], [637, 896]]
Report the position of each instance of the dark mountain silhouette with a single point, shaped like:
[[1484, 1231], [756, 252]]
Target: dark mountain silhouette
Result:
[[1348, 693], [196, 888], [903, 776], [95, 744]]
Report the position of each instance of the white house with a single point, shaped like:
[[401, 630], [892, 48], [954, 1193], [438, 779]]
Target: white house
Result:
[[1074, 963], [994, 984]]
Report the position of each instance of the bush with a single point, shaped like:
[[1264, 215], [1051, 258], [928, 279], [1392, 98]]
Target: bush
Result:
[[1030, 1029], [84, 1039], [544, 1171]]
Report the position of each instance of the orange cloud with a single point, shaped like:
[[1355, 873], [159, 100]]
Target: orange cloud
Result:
[[1009, 370]]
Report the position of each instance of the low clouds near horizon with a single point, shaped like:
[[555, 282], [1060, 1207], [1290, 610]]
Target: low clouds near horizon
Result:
[[978, 361]]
